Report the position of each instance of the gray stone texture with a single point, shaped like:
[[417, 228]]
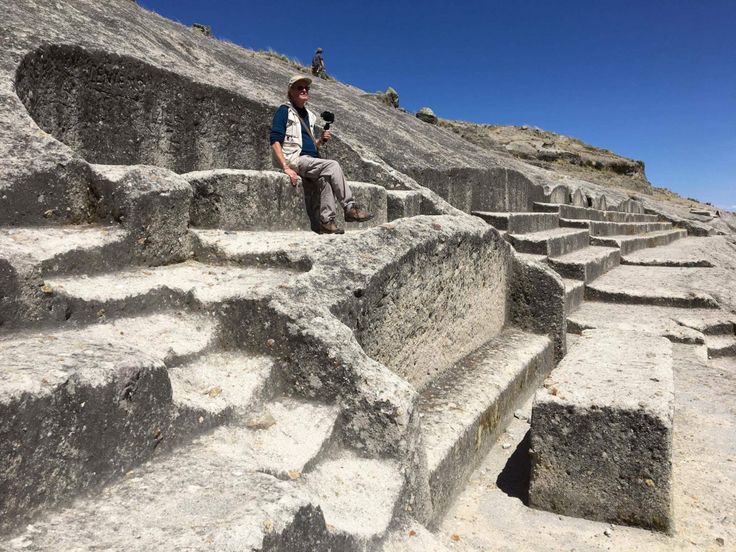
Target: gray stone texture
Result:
[[631, 206], [402, 204], [461, 418], [80, 406], [265, 200], [630, 243], [552, 243], [151, 203], [520, 223], [204, 497], [495, 189], [593, 214], [587, 263], [538, 301], [626, 228], [678, 324], [558, 195], [150, 139], [417, 322], [578, 198], [601, 432], [574, 294], [29, 254], [666, 286]]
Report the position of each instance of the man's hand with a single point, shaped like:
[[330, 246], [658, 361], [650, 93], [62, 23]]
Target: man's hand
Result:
[[293, 175], [326, 135]]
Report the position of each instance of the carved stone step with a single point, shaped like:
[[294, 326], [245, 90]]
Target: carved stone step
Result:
[[465, 409], [587, 213], [574, 294], [265, 200], [144, 289], [629, 244], [663, 286], [402, 204], [604, 228], [586, 264], [217, 387], [359, 496], [519, 223], [721, 345], [552, 243], [29, 254], [680, 325], [82, 405], [601, 432], [206, 496]]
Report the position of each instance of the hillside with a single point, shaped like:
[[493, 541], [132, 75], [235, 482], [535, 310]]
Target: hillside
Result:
[[527, 345], [557, 153]]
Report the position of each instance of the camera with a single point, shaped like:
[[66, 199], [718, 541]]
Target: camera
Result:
[[329, 118]]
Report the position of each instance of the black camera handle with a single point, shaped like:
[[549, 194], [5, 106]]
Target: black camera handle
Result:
[[329, 118]]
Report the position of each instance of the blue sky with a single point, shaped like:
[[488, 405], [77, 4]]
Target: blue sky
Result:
[[650, 79]]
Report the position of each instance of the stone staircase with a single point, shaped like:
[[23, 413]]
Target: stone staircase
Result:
[[256, 388], [629, 309], [580, 243], [615, 237], [148, 402]]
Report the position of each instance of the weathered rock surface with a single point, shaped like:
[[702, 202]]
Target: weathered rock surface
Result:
[[426, 115], [158, 281], [601, 432]]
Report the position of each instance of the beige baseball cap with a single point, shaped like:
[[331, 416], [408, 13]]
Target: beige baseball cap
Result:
[[296, 78]]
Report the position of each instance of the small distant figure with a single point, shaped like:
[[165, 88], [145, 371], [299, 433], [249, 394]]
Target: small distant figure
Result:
[[318, 64]]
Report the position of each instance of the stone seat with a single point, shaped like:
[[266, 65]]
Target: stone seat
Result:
[[552, 243], [232, 199], [519, 223], [81, 404], [214, 495], [586, 264], [601, 432], [586, 213], [464, 409], [628, 243]]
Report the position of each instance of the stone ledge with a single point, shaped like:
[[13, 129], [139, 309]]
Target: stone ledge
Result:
[[601, 432]]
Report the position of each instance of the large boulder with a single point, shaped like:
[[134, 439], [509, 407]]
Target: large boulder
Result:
[[427, 115]]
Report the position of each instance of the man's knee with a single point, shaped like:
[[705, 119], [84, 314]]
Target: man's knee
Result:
[[332, 167]]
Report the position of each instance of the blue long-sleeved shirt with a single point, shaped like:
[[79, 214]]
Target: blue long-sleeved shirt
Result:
[[278, 130]]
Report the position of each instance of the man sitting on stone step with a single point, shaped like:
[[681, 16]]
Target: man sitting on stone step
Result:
[[296, 151]]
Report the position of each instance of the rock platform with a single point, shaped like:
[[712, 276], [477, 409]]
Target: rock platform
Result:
[[185, 365]]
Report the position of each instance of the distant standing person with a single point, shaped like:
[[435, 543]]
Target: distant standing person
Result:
[[295, 150], [318, 64]]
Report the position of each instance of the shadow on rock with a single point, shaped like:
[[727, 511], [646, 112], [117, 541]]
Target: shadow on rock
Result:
[[514, 478]]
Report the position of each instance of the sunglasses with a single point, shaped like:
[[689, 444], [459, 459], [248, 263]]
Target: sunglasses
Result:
[[302, 87]]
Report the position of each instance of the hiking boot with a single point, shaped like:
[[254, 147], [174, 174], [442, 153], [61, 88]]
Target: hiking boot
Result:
[[330, 228], [356, 214]]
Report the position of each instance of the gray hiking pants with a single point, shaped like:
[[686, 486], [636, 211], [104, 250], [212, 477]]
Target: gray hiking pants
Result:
[[327, 177]]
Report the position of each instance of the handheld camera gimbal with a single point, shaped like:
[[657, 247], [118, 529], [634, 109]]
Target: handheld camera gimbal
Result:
[[329, 118]]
